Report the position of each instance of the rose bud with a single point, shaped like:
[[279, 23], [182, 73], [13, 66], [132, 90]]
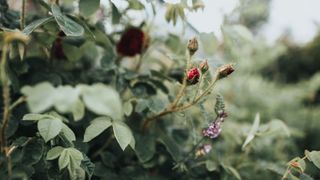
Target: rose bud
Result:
[[132, 42], [192, 46], [193, 76], [225, 70], [203, 66]]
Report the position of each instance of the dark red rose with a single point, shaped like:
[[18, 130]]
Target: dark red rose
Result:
[[57, 49], [193, 75], [132, 42]]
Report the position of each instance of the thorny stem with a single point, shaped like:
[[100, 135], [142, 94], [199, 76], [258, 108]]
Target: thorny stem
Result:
[[200, 85], [184, 83], [181, 107]]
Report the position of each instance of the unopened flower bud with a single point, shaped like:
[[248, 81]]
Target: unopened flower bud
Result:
[[213, 130], [203, 150], [225, 70], [193, 76], [204, 67], [192, 46]]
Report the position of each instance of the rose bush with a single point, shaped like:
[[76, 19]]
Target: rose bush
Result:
[[81, 101]]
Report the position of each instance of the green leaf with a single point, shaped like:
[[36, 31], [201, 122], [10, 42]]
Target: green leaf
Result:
[[314, 157], [136, 5], [64, 159], [122, 133], [252, 131], [145, 148], [78, 110], [88, 166], [65, 98], [116, 15], [72, 158], [304, 176], [211, 165], [76, 157], [127, 108], [67, 25], [108, 60], [156, 104], [302, 164], [68, 133], [36, 117], [35, 24], [232, 171], [171, 146], [97, 126], [278, 126], [39, 97], [54, 152], [88, 7], [102, 100], [49, 128], [33, 151]]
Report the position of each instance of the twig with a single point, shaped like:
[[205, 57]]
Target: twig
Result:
[[181, 107], [6, 97], [184, 83], [18, 102], [200, 85]]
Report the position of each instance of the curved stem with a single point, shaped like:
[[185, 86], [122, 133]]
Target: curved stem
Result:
[[184, 83], [6, 97], [182, 107], [18, 102]]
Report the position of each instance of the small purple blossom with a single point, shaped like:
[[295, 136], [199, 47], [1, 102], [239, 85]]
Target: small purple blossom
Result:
[[203, 150], [207, 148], [213, 130]]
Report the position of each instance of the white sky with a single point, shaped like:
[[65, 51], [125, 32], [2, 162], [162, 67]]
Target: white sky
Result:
[[297, 16]]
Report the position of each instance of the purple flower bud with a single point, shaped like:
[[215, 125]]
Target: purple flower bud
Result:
[[213, 130], [203, 150], [207, 148]]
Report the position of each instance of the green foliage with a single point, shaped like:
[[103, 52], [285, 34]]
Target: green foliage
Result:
[[88, 7], [97, 126], [82, 103]]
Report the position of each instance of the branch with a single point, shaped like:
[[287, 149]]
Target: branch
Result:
[[181, 107]]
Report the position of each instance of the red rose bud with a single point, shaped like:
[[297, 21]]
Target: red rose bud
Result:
[[132, 42], [225, 70], [193, 76], [203, 66], [192, 46]]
